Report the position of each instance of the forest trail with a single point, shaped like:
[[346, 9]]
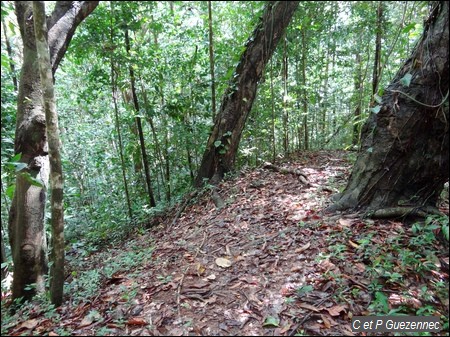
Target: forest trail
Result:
[[265, 263]]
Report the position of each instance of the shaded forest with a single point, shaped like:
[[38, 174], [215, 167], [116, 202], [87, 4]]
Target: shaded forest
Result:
[[229, 168]]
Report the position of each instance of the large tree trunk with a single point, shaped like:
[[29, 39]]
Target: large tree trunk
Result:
[[26, 218], [403, 161], [237, 101]]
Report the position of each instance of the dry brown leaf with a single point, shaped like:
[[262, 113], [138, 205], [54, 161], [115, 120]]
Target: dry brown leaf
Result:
[[211, 277], [88, 320], [303, 248], [354, 245], [30, 324], [297, 268], [345, 222], [336, 310], [361, 267], [285, 328], [137, 321], [237, 285], [326, 321], [51, 333], [347, 330], [309, 307], [224, 263]]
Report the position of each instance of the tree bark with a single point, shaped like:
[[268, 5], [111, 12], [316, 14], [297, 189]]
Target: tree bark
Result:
[[139, 126], [56, 176], [404, 159], [211, 62], [377, 59], [10, 55], [26, 218], [222, 145]]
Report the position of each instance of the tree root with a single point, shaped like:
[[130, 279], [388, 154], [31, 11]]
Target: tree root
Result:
[[399, 212], [301, 176]]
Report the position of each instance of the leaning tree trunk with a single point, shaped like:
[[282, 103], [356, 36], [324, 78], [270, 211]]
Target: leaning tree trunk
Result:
[[26, 218], [237, 101], [403, 161]]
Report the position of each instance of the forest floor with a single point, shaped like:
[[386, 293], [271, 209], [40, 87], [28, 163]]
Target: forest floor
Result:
[[266, 262]]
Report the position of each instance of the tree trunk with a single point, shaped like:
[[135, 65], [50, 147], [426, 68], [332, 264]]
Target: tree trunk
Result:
[[237, 101], [377, 59], [304, 91], [139, 127], [358, 99], [285, 100], [56, 176], [211, 62], [403, 160], [10, 55], [26, 218]]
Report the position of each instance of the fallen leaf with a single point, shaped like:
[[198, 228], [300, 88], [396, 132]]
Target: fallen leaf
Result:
[[354, 245], [345, 222], [30, 324], [136, 321], [309, 307], [222, 262], [336, 310], [88, 320], [361, 267], [271, 321], [285, 329], [211, 277], [303, 248], [200, 269], [236, 285], [326, 322], [51, 333]]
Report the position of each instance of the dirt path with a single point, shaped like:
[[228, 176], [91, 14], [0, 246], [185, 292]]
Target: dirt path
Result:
[[266, 263]]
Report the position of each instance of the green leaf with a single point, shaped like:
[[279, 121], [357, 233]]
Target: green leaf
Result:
[[217, 143], [408, 28], [271, 321], [33, 181], [377, 99], [406, 80], [445, 231], [16, 157], [376, 109], [382, 300], [10, 191], [304, 289]]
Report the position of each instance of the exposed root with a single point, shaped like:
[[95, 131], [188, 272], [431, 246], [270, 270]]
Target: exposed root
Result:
[[399, 212], [301, 176]]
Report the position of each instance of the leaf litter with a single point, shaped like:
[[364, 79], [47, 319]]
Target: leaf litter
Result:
[[268, 262]]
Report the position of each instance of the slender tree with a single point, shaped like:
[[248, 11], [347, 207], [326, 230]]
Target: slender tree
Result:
[[139, 127], [56, 174], [26, 217], [237, 101], [211, 62], [10, 55], [116, 113], [377, 59], [403, 162]]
